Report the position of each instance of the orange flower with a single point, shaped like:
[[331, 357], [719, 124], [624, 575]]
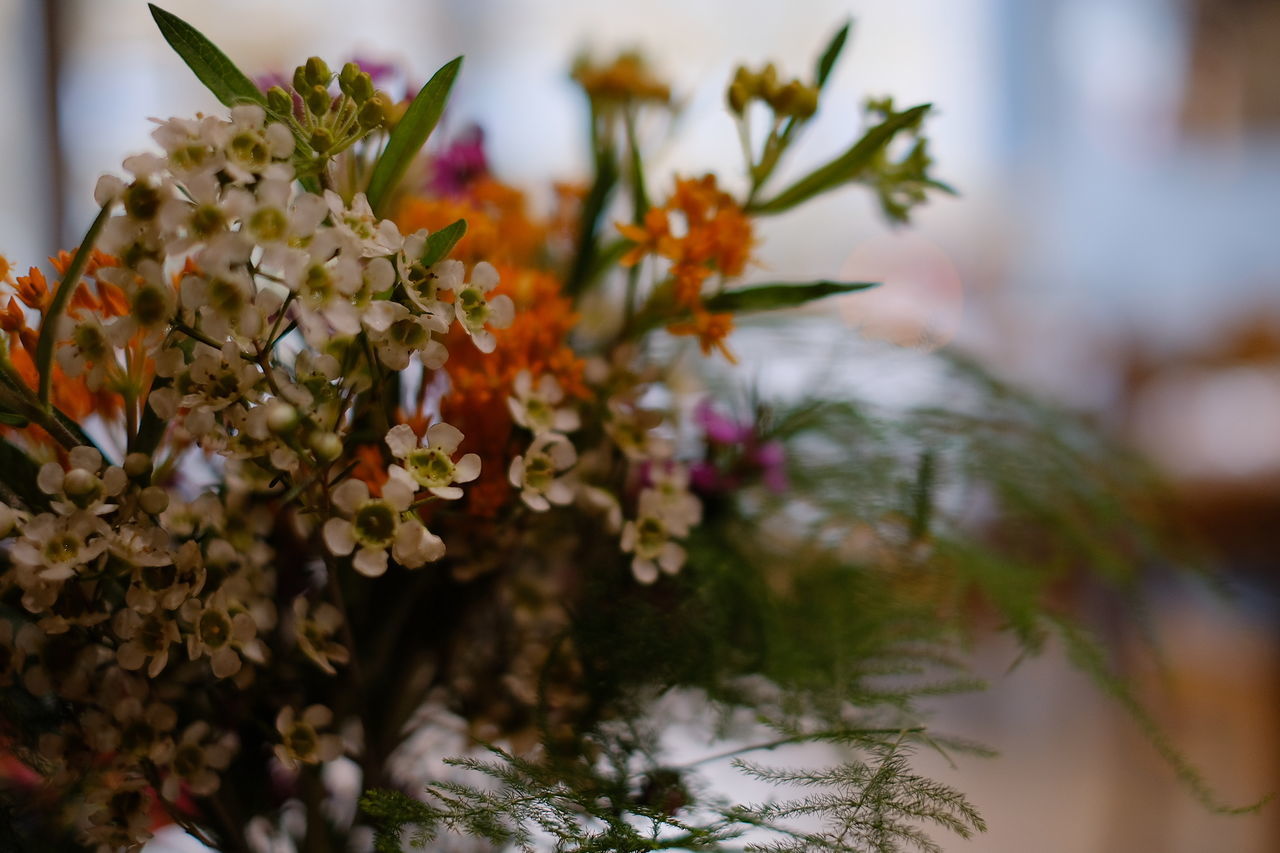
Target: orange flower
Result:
[[711, 330], [648, 238], [33, 290]]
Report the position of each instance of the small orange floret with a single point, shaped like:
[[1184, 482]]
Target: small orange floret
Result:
[[711, 331], [648, 238], [33, 290]]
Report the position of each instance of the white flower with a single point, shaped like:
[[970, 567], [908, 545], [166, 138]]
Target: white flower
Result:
[[423, 283], [224, 300], [373, 236], [218, 633], [90, 347], [535, 472], [325, 280], [190, 143], [535, 408], [679, 508], [373, 525], [196, 758], [472, 305], [649, 538], [300, 739], [196, 216], [146, 637], [252, 148], [53, 547], [432, 467], [396, 335]]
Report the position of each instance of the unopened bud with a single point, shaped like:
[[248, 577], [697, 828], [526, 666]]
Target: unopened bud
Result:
[[806, 102], [374, 112], [316, 72], [153, 500], [281, 418], [349, 73], [767, 83], [321, 139], [279, 101], [326, 445], [138, 466], [318, 100], [362, 87], [78, 483], [738, 96]]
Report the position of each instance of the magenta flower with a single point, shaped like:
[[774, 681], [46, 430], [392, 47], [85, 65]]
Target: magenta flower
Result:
[[736, 455], [464, 160]]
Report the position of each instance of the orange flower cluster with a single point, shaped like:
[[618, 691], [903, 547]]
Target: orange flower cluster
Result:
[[71, 395], [499, 230], [626, 78], [716, 240]]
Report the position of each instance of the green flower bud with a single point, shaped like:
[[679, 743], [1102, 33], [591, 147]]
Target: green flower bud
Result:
[[767, 86], [300, 83], [279, 101], [347, 76], [362, 88], [318, 100], [374, 112], [317, 73], [784, 100], [321, 139], [806, 102], [738, 97]]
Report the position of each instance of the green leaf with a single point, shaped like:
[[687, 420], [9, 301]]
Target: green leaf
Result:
[[849, 166], [18, 473], [48, 328], [831, 54], [151, 427], [585, 265], [640, 196], [771, 297], [410, 135], [13, 419], [441, 243], [218, 73], [660, 309]]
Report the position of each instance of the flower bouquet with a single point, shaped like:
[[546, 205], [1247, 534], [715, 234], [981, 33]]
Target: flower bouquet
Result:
[[329, 522]]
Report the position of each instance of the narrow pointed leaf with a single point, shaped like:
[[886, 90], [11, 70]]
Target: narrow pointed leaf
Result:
[[661, 310], [441, 243], [13, 419], [410, 135], [770, 297], [62, 295], [829, 56], [849, 166], [218, 73]]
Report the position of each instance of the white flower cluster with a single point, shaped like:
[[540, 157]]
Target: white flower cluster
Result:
[[254, 319]]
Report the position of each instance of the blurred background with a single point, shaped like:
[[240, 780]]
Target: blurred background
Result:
[[1114, 244]]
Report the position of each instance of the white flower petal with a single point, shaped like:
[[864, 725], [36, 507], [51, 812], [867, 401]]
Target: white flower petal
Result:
[[397, 494], [338, 537], [402, 439], [484, 276], [444, 436], [350, 494], [371, 562], [467, 468], [645, 571]]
